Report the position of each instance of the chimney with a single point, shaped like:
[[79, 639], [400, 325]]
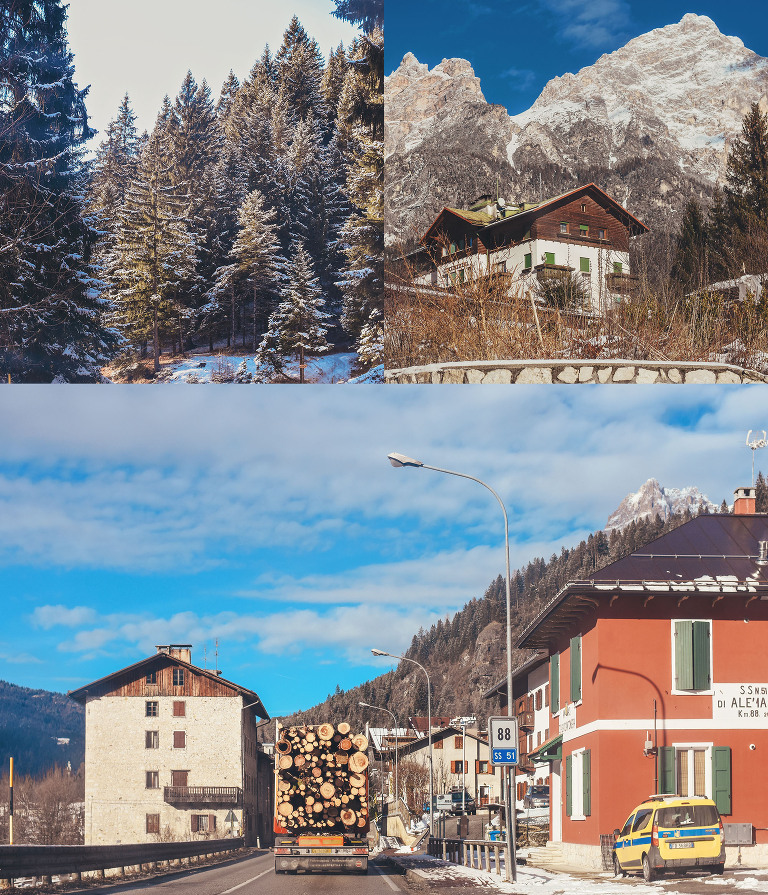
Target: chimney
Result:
[[744, 501], [181, 651]]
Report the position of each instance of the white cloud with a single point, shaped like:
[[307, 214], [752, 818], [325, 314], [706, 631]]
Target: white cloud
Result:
[[47, 617], [595, 23]]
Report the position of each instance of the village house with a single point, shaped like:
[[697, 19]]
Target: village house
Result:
[[582, 234], [171, 752], [530, 693], [658, 677], [458, 757]]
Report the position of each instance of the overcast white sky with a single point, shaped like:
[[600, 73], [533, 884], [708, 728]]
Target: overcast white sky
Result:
[[270, 518], [145, 47]]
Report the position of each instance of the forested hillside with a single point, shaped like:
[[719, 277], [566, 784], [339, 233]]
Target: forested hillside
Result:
[[465, 654], [31, 723], [251, 217]]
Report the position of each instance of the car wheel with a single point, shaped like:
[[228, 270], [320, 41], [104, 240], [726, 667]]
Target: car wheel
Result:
[[649, 874], [718, 869], [617, 871]]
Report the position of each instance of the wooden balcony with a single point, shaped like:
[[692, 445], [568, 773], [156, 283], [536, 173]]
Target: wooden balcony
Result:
[[545, 272], [622, 283], [525, 720], [202, 795]]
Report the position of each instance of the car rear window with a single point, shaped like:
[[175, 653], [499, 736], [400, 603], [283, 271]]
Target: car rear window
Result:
[[538, 791], [687, 816]]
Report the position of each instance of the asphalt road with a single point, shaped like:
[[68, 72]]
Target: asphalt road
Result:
[[255, 875]]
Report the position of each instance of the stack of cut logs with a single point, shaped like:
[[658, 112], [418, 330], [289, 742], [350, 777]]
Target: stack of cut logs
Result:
[[322, 779]]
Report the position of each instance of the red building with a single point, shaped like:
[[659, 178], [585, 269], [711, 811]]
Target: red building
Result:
[[658, 673]]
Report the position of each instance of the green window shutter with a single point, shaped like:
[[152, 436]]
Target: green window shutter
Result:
[[554, 679], [586, 776], [584, 265], [617, 266], [575, 668], [453, 247], [721, 778], [667, 782], [684, 655], [549, 257], [584, 228], [701, 655], [528, 260], [568, 785]]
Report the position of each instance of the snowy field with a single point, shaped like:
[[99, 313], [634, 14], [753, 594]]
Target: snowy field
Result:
[[537, 881], [204, 368]]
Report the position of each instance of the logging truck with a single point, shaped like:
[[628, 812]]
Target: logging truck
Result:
[[321, 799]]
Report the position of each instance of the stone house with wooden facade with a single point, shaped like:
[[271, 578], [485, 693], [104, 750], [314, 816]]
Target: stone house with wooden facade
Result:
[[583, 234], [658, 680], [171, 751]]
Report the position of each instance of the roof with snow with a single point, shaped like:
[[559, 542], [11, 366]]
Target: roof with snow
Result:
[[712, 554], [481, 219]]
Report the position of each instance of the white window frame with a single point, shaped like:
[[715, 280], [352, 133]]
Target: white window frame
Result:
[[577, 784], [673, 689], [689, 747]]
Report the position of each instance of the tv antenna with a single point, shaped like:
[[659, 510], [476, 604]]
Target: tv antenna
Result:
[[755, 444]]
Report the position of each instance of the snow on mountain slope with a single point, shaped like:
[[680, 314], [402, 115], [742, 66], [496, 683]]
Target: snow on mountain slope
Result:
[[653, 500]]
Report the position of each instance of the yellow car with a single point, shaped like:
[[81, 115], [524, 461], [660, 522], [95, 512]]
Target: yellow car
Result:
[[670, 833]]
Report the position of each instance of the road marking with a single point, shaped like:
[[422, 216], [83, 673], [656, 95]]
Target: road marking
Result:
[[246, 883], [386, 879]]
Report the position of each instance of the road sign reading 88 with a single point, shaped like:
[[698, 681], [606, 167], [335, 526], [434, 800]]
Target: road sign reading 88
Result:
[[502, 740]]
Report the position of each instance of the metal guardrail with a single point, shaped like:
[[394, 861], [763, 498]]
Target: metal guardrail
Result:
[[475, 853], [44, 860]]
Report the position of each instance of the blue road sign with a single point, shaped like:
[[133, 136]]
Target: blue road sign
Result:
[[504, 756]]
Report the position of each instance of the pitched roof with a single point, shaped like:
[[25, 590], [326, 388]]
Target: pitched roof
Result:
[[81, 693], [713, 554], [481, 220], [528, 664]]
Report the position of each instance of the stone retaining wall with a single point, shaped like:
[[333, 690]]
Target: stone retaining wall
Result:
[[574, 372]]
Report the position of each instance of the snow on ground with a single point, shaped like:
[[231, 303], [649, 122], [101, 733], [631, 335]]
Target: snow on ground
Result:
[[538, 881], [201, 368]]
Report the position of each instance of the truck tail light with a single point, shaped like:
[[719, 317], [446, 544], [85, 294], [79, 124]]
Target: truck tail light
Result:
[[655, 835]]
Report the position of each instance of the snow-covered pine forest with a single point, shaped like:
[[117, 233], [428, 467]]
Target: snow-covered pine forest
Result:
[[251, 219]]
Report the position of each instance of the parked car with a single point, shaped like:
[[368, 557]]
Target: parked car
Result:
[[670, 833], [536, 797], [452, 802]]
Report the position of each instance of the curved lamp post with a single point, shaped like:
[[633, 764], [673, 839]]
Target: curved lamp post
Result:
[[399, 460], [379, 652], [379, 708]]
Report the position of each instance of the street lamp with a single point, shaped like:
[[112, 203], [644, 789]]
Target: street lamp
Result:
[[381, 709], [398, 460], [379, 652]]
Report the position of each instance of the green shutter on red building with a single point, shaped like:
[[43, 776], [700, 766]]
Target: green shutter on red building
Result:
[[701, 655], [721, 778], [667, 783], [575, 669], [568, 785], [684, 656], [554, 678], [586, 777]]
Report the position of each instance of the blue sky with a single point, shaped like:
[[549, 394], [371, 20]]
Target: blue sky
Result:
[[269, 518], [145, 47], [516, 47]]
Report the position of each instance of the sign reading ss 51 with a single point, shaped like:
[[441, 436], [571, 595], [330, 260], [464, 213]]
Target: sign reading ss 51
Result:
[[502, 740]]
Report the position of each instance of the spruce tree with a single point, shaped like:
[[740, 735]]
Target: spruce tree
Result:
[[761, 494], [51, 313], [154, 251], [747, 171], [299, 65], [257, 255], [689, 267], [298, 324]]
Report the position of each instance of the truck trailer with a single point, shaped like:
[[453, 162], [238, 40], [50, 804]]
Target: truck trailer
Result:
[[321, 799]]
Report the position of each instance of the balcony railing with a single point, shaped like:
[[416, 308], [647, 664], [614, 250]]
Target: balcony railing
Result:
[[525, 720], [622, 283], [202, 795]]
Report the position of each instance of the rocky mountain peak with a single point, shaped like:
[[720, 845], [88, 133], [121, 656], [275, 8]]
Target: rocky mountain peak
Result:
[[415, 95], [654, 500]]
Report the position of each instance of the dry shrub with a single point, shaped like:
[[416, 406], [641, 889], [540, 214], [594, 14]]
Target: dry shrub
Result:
[[494, 318]]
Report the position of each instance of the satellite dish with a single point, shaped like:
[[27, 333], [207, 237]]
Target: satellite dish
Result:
[[501, 202]]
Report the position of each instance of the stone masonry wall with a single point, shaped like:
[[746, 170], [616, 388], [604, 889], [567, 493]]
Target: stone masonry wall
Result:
[[574, 372], [116, 761]]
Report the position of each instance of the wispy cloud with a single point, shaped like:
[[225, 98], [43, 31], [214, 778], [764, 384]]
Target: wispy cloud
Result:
[[519, 78], [602, 24]]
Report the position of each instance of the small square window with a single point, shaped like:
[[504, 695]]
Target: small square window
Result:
[[584, 265], [152, 739], [178, 677], [153, 823], [437, 744], [601, 234], [179, 709], [153, 780], [179, 739], [617, 266], [563, 226], [151, 709], [549, 257], [458, 742], [151, 677], [528, 261], [584, 229], [584, 207]]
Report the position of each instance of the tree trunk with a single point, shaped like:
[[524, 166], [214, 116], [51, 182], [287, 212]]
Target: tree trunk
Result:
[[254, 319], [155, 340]]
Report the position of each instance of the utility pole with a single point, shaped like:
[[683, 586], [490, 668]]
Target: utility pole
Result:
[[10, 812]]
